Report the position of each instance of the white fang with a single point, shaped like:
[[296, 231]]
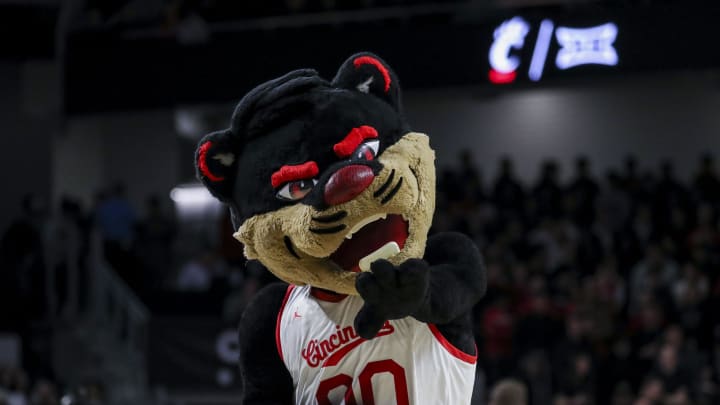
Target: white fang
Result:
[[387, 251]]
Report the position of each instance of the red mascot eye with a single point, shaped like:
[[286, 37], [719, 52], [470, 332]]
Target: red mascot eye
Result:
[[367, 150], [296, 190]]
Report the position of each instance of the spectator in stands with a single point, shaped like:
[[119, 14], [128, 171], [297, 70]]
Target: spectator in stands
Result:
[[547, 193], [706, 185], [156, 233], [676, 233], [651, 392], [669, 194], [708, 391], [675, 377], [22, 265], [589, 249], [642, 225], [14, 381], [63, 245], [44, 393], [609, 288], [535, 370], [582, 193], [116, 219], [577, 385], [537, 329], [198, 273], [622, 394], [254, 278], [471, 179], [716, 356], [508, 392], [557, 237], [690, 293], [704, 239], [654, 274], [646, 329], [614, 205], [497, 328], [508, 194], [631, 180], [576, 340], [451, 186]]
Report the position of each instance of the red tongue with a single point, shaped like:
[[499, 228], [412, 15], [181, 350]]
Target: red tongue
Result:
[[368, 239]]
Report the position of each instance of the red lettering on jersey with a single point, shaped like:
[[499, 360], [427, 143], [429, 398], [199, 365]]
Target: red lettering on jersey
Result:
[[332, 349]]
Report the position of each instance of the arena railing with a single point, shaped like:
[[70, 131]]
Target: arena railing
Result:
[[120, 319]]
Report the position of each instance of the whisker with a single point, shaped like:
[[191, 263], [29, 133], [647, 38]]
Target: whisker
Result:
[[384, 187], [326, 219], [334, 229], [392, 192], [289, 246]]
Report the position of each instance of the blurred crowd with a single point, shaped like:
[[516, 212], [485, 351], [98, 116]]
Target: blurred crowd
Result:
[[45, 274], [14, 389], [45, 251], [600, 291]]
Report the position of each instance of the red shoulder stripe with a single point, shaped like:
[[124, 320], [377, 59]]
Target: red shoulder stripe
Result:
[[327, 296], [277, 323], [461, 355]]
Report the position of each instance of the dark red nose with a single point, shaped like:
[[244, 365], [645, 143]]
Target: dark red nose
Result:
[[346, 183]]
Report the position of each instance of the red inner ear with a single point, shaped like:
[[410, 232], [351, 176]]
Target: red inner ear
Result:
[[289, 173], [202, 162], [369, 60]]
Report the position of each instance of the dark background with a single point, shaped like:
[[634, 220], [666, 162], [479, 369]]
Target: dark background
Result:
[[592, 193]]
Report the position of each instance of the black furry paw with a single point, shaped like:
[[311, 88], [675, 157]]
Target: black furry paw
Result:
[[390, 292]]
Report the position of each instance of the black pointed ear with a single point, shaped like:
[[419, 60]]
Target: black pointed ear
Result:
[[216, 163], [367, 73]]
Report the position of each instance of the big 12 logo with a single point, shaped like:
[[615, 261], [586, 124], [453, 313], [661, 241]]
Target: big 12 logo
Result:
[[578, 46]]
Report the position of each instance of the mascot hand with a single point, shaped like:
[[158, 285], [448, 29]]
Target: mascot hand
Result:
[[390, 292]]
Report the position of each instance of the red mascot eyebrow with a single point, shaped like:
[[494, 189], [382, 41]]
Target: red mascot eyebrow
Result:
[[288, 173], [369, 60], [353, 139], [202, 163]]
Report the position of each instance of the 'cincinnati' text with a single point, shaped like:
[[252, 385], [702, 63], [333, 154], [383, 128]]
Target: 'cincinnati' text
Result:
[[330, 350]]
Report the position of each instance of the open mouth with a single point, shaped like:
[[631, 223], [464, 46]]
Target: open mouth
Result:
[[370, 240]]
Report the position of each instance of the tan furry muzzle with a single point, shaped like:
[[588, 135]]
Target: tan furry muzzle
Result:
[[282, 241]]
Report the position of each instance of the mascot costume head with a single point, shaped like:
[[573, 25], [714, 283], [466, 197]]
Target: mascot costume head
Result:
[[334, 194]]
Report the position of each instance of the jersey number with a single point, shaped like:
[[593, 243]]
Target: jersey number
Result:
[[365, 382]]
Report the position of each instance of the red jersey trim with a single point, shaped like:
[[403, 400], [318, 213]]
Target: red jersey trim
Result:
[[328, 296], [459, 354], [277, 323]]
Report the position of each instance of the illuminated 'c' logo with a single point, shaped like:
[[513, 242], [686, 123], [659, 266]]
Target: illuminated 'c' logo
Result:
[[511, 34]]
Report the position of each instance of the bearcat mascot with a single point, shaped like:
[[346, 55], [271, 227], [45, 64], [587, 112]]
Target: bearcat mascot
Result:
[[333, 193]]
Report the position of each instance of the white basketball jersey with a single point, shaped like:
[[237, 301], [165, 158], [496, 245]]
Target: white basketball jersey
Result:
[[409, 362]]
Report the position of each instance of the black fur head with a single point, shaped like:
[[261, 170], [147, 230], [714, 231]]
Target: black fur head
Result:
[[308, 162], [294, 119]]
